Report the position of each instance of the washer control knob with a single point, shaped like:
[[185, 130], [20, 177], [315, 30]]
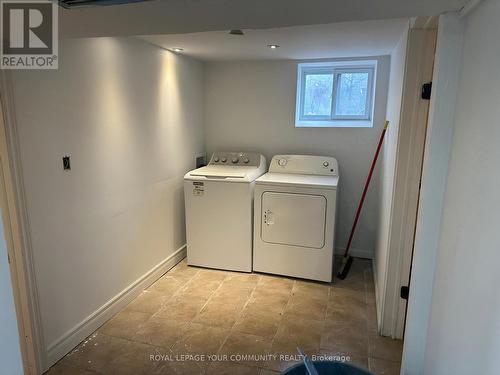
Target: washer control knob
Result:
[[246, 160], [282, 162], [223, 160], [325, 164], [216, 159], [235, 160]]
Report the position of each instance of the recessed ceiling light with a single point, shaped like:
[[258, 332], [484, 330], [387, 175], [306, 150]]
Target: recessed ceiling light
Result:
[[177, 49], [236, 32], [273, 46]]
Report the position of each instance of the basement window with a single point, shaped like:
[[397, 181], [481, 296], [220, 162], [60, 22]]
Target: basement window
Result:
[[335, 94]]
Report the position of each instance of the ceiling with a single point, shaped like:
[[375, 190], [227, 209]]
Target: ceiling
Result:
[[345, 39], [188, 16]]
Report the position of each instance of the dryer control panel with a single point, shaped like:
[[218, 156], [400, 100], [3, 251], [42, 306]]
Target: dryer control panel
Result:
[[247, 159], [305, 164]]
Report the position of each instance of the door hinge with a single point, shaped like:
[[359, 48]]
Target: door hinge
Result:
[[405, 291], [426, 91]]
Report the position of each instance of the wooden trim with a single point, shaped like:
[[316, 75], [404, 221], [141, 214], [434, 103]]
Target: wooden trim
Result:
[[411, 140], [24, 285]]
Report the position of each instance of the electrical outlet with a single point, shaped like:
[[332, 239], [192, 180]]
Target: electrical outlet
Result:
[[200, 160], [66, 163]]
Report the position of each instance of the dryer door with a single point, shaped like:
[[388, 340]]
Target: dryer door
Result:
[[293, 219]]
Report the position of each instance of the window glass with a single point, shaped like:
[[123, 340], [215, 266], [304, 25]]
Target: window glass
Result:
[[318, 94], [352, 93]]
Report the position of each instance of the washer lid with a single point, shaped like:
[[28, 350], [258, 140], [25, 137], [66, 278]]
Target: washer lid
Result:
[[220, 171], [299, 180], [223, 172]]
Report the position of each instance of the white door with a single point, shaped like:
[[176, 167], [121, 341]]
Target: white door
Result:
[[293, 219]]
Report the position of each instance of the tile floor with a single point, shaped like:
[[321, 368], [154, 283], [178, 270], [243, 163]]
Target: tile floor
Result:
[[193, 319]]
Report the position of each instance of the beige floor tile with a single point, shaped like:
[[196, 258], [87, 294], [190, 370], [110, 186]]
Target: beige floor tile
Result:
[[234, 293], [305, 307], [265, 371], [198, 289], [372, 319], [125, 324], [240, 344], [258, 322], [353, 312], [311, 290], [136, 360], [184, 271], [200, 339], [245, 278], [148, 302], [206, 274], [299, 332], [180, 368], [346, 295], [276, 283], [161, 332], [264, 291], [268, 302], [96, 352], [236, 288], [195, 310], [168, 285], [345, 338], [66, 369], [181, 309], [352, 282], [370, 298], [229, 368], [359, 327], [256, 308], [384, 367], [220, 311], [369, 280], [385, 348]]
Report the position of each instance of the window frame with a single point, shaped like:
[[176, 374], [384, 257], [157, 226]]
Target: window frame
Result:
[[336, 68]]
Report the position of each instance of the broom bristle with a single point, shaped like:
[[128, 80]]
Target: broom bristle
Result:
[[345, 267]]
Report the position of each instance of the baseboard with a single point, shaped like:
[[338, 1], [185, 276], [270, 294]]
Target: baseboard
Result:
[[77, 334], [358, 253]]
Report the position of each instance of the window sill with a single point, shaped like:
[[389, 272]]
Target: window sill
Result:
[[335, 124]]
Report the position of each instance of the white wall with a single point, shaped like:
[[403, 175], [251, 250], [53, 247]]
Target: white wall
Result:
[[250, 106], [387, 168], [10, 351], [464, 329], [131, 117]]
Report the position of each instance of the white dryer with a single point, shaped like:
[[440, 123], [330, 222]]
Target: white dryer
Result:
[[294, 217], [219, 211]]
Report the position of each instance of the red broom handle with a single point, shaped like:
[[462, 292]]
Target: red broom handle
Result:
[[367, 183]]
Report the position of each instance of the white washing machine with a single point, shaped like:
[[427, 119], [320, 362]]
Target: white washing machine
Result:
[[294, 217], [219, 211]]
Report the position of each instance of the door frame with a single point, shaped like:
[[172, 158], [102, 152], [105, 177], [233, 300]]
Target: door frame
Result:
[[435, 171], [14, 215], [419, 63]]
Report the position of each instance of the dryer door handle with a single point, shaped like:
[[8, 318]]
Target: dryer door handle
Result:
[[268, 217]]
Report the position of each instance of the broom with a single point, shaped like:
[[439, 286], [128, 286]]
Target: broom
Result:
[[346, 259]]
